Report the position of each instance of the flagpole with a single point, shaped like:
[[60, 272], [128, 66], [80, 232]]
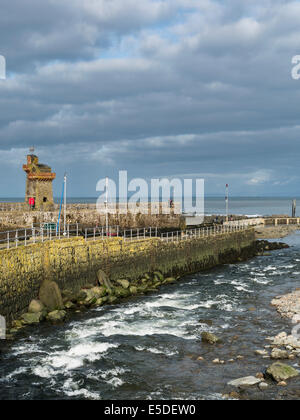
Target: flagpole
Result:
[[227, 202]]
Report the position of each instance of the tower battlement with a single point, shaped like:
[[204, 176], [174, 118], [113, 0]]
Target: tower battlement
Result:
[[39, 193]]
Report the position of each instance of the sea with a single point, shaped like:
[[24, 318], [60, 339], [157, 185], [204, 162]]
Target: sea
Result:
[[248, 206]]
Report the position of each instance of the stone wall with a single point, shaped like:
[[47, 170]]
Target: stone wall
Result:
[[87, 214], [73, 263]]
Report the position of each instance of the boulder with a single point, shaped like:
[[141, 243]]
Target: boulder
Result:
[[36, 306], [50, 295], [69, 305], [210, 338], [104, 280], [279, 354], [56, 316], [159, 275], [32, 318], [121, 292], [133, 290], [170, 280], [281, 372], [99, 291], [123, 283], [245, 382]]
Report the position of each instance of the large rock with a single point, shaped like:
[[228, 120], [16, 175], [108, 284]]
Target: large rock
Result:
[[36, 306], [104, 280], [279, 354], [56, 316], [99, 291], [245, 382], [281, 372], [32, 318], [210, 338], [50, 295], [123, 283]]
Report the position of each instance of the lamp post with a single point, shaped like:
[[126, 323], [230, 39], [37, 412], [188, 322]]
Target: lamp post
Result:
[[227, 202]]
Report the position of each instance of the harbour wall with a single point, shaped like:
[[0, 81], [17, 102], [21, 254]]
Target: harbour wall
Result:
[[146, 214], [73, 263]]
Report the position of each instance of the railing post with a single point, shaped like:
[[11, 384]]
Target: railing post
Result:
[[7, 240], [16, 239], [94, 234], [42, 235], [156, 231], [85, 234], [33, 235], [25, 237], [76, 229]]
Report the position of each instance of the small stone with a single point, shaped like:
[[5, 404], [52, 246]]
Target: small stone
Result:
[[263, 386], [216, 361], [209, 338], [259, 376], [200, 358], [240, 357], [261, 352], [282, 383], [231, 361]]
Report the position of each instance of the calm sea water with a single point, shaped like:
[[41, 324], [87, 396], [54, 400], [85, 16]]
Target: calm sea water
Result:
[[216, 205], [146, 348]]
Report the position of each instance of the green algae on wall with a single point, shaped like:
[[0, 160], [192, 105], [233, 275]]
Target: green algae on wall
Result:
[[73, 263]]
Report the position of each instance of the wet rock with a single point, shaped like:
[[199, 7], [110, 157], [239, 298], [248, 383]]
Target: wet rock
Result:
[[159, 275], [170, 280], [99, 292], [245, 382], [32, 318], [50, 295], [279, 354], [234, 395], [133, 290], [209, 338], [263, 386], [69, 305], [281, 372], [56, 316], [200, 358], [261, 353], [208, 322], [260, 375], [104, 280], [282, 383], [240, 357], [36, 306], [123, 283]]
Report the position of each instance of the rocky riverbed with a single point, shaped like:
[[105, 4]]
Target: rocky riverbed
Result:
[[210, 335]]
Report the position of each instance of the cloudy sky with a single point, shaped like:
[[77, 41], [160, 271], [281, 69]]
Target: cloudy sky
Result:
[[162, 88]]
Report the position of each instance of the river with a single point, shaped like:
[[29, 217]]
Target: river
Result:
[[146, 348]]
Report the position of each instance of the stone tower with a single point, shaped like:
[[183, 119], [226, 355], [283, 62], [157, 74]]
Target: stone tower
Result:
[[39, 193]]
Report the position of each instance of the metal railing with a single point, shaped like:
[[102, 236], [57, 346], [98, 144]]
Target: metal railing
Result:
[[49, 232]]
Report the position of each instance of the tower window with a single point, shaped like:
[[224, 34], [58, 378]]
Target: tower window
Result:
[[44, 199]]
